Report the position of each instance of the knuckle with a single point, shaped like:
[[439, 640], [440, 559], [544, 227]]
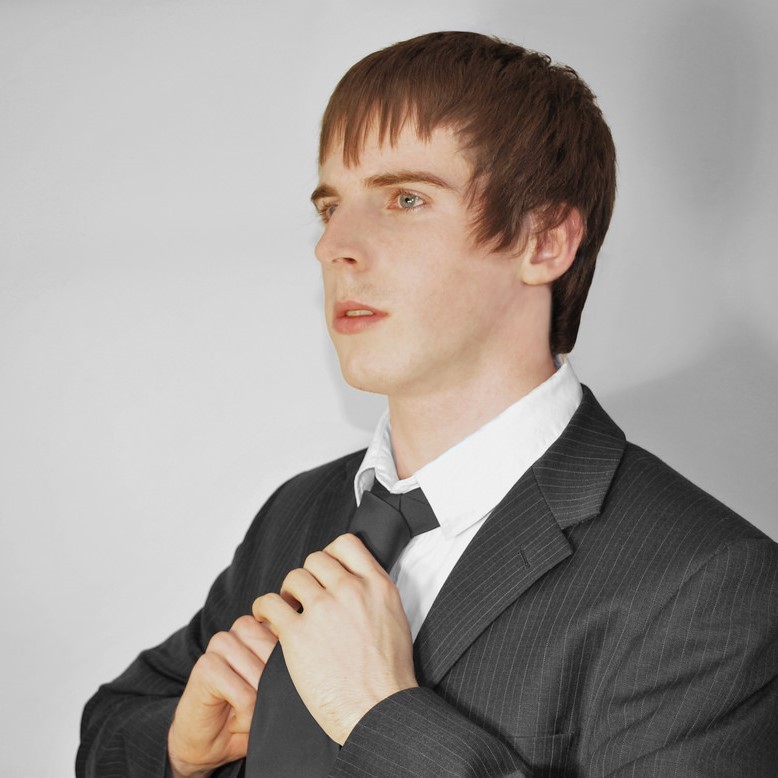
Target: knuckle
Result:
[[206, 664], [275, 598], [243, 623], [313, 558], [337, 545], [289, 581], [294, 574], [218, 642], [349, 540], [384, 584], [381, 589], [259, 604], [266, 602]]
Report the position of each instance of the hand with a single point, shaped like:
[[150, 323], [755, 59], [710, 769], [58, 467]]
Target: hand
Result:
[[351, 646], [213, 717]]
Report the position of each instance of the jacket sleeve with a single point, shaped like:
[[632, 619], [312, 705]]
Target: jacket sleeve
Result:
[[697, 693], [125, 724], [693, 694], [416, 733]]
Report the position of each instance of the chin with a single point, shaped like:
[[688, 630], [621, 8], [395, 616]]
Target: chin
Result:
[[366, 378], [364, 384]]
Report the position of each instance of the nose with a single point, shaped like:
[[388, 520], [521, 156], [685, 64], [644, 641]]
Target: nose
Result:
[[342, 243]]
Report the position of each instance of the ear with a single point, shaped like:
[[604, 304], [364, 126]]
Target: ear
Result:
[[549, 254]]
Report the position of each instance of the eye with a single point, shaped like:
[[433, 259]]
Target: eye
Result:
[[325, 210], [407, 201]]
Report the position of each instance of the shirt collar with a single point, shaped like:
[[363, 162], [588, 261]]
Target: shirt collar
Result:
[[466, 482]]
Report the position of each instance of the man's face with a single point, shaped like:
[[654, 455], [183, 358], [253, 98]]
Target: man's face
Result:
[[413, 305]]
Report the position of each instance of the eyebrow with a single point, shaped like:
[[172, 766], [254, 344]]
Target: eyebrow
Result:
[[402, 177]]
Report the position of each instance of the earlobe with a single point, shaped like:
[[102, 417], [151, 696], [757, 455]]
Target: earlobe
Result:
[[548, 255]]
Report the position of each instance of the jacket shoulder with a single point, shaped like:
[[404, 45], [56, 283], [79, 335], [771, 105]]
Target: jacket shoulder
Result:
[[670, 504], [331, 474]]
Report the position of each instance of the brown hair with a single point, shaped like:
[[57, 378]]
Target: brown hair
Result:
[[535, 135]]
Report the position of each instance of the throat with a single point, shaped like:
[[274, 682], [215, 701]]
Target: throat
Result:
[[425, 428]]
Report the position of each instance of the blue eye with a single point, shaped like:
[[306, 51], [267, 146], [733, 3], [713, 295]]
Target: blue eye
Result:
[[407, 200]]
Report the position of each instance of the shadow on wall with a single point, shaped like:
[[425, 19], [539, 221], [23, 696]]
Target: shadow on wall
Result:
[[716, 422]]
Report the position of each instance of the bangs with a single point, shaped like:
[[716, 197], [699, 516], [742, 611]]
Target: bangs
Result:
[[425, 83]]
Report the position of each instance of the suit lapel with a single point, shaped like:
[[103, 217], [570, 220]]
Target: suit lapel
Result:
[[523, 538], [518, 543]]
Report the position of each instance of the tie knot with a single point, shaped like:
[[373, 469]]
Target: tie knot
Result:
[[386, 522], [413, 506]]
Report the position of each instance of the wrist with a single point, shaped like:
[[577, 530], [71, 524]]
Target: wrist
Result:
[[366, 705], [176, 770]]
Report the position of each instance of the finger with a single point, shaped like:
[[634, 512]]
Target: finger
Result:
[[327, 570], [302, 587], [291, 601], [240, 721], [352, 553], [255, 636], [215, 680], [238, 656], [274, 611]]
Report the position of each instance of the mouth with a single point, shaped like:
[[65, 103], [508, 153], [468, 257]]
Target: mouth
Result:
[[351, 316], [351, 309]]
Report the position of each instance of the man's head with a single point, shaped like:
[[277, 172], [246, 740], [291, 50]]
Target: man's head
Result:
[[536, 140]]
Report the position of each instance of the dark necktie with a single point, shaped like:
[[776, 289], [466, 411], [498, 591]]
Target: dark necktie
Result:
[[285, 741]]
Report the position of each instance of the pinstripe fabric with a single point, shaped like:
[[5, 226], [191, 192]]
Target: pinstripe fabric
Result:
[[609, 619]]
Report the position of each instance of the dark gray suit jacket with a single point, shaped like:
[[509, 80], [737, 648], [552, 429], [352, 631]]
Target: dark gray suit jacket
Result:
[[610, 618]]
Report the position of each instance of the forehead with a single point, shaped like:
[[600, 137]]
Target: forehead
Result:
[[440, 152]]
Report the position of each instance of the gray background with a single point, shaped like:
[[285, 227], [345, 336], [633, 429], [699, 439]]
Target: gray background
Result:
[[164, 362]]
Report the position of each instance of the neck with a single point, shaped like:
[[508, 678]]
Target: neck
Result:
[[425, 426]]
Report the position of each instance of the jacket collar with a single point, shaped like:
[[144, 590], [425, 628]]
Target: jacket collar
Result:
[[523, 538]]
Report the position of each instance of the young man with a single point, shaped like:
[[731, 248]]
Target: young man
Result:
[[578, 608]]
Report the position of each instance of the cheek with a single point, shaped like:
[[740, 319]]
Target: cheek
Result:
[[460, 283], [443, 313]]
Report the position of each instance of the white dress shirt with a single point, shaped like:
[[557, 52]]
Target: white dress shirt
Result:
[[465, 483]]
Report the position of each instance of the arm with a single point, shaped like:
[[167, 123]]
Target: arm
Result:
[[350, 656], [691, 687], [416, 733], [696, 694], [693, 693], [124, 728], [213, 717]]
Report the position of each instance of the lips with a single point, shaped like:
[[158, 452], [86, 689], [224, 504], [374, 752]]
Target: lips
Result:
[[351, 316]]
